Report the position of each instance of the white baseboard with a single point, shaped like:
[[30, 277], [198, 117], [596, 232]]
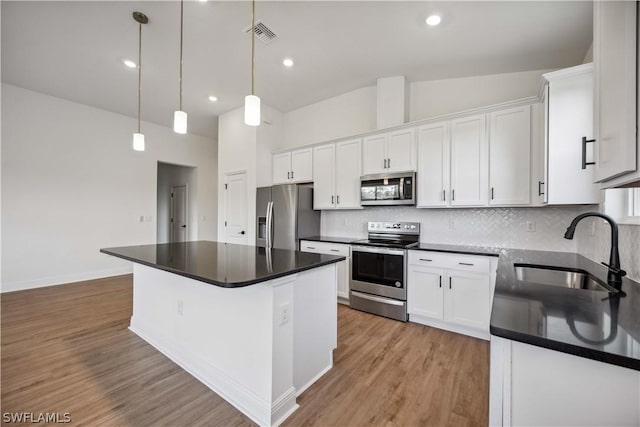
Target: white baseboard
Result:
[[42, 282], [243, 399], [476, 333]]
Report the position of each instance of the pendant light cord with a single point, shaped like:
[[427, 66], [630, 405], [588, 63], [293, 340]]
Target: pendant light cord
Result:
[[253, 43], [181, 36], [139, 71]]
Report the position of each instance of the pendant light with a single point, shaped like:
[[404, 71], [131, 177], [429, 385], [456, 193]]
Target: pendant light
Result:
[[180, 117], [252, 102], [138, 137]]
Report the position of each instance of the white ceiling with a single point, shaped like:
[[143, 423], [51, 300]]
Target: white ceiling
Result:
[[74, 49]]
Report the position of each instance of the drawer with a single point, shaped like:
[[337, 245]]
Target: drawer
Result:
[[325, 248], [461, 262]]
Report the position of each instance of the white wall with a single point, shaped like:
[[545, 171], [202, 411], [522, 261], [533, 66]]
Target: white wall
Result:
[[71, 184], [170, 176], [355, 112], [347, 114], [243, 148]]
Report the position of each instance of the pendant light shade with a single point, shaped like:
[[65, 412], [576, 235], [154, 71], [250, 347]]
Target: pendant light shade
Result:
[[252, 110], [180, 117], [138, 142], [252, 102], [180, 122], [138, 137]]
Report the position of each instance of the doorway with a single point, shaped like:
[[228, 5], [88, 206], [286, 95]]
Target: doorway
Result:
[[176, 203]]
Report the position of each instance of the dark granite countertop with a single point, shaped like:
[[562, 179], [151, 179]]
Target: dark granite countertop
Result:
[[591, 324], [222, 264], [331, 239], [458, 249]]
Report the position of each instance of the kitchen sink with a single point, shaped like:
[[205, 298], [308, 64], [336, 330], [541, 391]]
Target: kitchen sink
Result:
[[564, 278]]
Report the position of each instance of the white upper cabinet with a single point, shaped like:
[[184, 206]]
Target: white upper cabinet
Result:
[[390, 152], [615, 90], [433, 165], [469, 163], [374, 155], [324, 185], [336, 175], [570, 171], [348, 172], [293, 166], [509, 156]]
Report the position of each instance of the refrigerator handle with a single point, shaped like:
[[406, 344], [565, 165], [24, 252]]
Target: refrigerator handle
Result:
[[269, 243]]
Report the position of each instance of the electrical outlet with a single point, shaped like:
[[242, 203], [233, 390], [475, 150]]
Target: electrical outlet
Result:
[[141, 218], [180, 307], [452, 224], [284, 313], [531, 226], [147, 218]]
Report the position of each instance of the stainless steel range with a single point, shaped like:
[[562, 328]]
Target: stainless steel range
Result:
[[379, 269]]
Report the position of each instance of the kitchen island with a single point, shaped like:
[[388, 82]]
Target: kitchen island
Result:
[[256, 326]]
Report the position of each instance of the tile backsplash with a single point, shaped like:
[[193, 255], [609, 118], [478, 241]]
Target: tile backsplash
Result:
[[501, 227], [596, 245]]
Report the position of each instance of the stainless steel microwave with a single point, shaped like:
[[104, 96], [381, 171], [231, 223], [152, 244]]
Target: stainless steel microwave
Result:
[[388, 189]]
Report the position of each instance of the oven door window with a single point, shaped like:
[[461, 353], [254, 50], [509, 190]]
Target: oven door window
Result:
[[381, 269]]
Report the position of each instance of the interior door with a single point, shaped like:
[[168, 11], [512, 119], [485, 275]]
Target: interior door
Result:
[[509, 156], [281, 168], [469, 161], [348, 172], [433, 165], [236, 208], [179, 213], [400, 150], [324, 161]]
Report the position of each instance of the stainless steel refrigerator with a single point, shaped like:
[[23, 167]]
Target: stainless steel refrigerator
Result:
[[285, 215]]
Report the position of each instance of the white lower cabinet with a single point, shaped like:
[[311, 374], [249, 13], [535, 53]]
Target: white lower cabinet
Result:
[[451, 291], [342, 267]]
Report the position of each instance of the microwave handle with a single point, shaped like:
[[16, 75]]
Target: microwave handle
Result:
[[401, 189]]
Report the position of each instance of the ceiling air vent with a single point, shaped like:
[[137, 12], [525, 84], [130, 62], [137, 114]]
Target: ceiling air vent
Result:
[[262, 32]]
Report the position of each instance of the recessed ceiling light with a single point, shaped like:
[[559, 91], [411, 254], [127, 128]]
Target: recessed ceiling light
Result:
[[213, 98], [433, 20], [203, 1], [287, 62], [129, 63]]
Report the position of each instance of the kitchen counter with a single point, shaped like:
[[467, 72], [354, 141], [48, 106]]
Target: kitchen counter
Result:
[[458, 249], [332, 239], [596, 325], [222, 264]]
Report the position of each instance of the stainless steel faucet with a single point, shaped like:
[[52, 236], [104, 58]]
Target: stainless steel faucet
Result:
[[615, 274]]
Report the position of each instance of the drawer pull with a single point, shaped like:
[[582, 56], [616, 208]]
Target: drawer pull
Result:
[[425, 259], [334, 250], [466, 263], [310, 247]]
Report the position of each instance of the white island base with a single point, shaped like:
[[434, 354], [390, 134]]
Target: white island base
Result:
[[257, 346]]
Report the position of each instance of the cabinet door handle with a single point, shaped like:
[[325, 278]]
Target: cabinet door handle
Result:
[[338, 199], [331, 199], [384, 161], [491, 193], [291, 174], [584, 152], [540, 184], [288, 175], [440, 281], [444, 195], [388, 163], [449, 282], [425, 259], [453, 195], [466, 263]]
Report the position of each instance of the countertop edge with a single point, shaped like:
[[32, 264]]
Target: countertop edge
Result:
[[229, 285], [587, 353]]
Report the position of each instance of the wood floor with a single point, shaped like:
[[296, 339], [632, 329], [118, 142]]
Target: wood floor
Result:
[[67, 349]]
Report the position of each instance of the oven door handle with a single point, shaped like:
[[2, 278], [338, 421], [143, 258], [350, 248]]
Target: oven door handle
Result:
[[373, 250], [377, 299]]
